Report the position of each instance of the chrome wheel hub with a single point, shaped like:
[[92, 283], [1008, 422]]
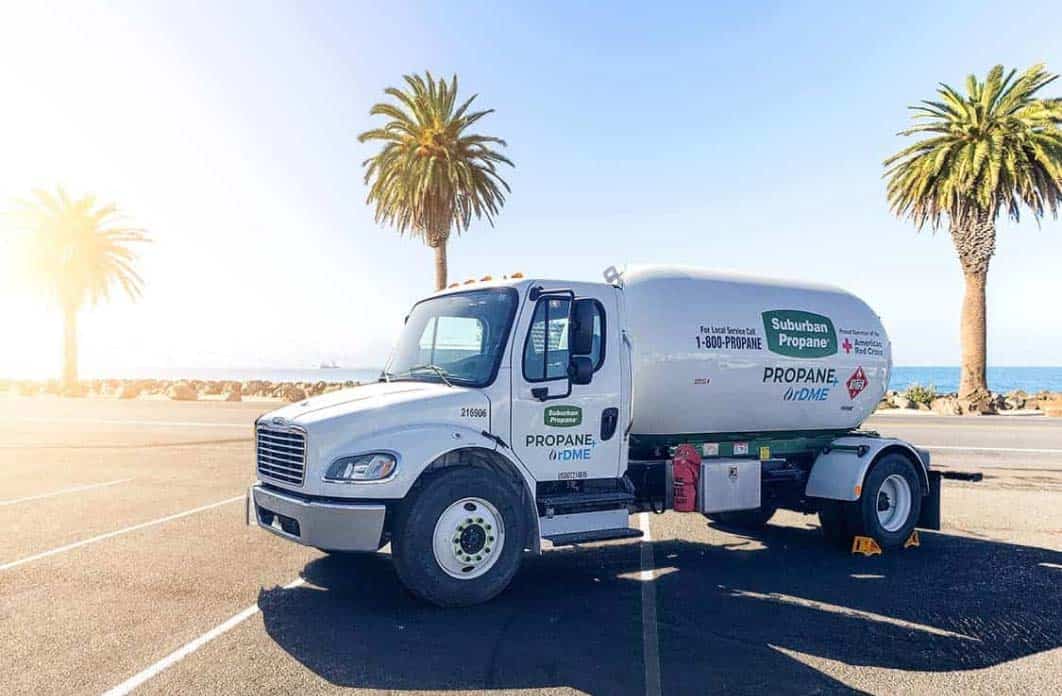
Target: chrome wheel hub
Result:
[[469, 536], [894, 503]]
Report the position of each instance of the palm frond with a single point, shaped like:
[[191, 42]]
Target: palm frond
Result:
[[995, 149], [77, 250], [430, 176]]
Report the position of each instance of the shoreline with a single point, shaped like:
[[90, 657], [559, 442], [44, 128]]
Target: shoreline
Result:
[[178, 389], [913, 400]]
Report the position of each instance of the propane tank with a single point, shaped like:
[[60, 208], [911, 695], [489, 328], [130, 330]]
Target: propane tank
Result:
[[716, 352], [686, 466]]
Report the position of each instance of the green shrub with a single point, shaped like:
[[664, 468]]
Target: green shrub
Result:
[[921, 395]]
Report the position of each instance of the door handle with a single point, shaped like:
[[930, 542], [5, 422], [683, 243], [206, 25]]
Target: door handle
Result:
[[609, 420]]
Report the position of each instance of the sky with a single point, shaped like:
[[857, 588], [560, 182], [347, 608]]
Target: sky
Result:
[[743, 136]]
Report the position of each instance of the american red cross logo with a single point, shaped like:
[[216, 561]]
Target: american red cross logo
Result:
[[856, 383], [847, 345]]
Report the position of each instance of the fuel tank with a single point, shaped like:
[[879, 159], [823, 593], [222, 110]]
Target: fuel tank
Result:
[[716, 353]]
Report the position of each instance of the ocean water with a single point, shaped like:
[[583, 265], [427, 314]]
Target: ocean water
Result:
[[1000, 379]]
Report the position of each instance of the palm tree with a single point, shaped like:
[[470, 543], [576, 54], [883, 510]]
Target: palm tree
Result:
[[997, 148], [431, 176], [77, 251]]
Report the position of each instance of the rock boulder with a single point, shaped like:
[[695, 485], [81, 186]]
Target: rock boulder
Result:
[[182, 391], [946, 406]]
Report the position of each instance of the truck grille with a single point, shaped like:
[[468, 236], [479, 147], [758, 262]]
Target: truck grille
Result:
[[281, 454]]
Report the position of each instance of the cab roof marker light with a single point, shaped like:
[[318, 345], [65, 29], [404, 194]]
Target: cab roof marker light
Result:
[[517, 275]]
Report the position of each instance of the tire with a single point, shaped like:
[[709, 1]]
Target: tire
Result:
[[459, 538], [744, 519], [891, 502], [833, 518]]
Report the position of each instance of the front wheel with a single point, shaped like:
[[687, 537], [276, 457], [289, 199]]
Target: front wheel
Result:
[[459, 538]]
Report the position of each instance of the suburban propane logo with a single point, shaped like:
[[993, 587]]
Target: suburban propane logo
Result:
[[799, 334], [563, 416]]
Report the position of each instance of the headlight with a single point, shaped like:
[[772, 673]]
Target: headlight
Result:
[[373, 466]]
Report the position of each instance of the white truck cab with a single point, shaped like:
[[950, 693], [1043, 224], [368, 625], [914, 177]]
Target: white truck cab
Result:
[[507, 414]]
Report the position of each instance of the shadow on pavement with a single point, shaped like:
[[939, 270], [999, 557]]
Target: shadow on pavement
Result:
[[725, 613]]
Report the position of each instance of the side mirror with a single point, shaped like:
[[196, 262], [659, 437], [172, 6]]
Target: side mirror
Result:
[[581, 339], [580, 370]]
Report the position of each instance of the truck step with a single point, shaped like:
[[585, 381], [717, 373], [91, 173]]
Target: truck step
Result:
[[583, 501], [594, 535]]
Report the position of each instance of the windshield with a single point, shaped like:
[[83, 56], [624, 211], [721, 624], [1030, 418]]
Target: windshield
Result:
[[456, 339]]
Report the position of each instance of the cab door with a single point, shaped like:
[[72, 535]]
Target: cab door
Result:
[[561, 430]]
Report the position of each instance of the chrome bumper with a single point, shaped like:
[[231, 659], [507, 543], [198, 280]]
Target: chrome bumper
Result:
[[330, 526]]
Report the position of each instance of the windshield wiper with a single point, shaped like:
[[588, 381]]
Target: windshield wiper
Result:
[[443, 374]]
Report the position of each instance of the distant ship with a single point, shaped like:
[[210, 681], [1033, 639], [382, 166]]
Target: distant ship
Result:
[[333, 365]]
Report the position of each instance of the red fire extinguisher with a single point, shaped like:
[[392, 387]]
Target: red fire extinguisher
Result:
[[686, 467]]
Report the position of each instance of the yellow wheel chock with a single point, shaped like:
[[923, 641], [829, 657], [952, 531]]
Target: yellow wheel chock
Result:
[[866, 546]]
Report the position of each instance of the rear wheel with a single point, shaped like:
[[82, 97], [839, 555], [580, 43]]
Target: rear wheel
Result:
[[459, 537], [890, 504], [744, 519]]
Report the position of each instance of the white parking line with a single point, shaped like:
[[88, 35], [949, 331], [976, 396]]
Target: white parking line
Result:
[[1024, 450], [190, 647], [166, 424], [109, 535], [650, 636], [61, 491]]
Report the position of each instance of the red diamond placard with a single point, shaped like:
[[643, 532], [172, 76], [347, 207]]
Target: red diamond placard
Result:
[[856, 383]]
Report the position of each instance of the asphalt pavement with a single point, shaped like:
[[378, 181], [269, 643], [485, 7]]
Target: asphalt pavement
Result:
[[128, 566]]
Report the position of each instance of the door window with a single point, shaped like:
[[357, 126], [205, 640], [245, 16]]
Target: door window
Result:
[[546, 346]]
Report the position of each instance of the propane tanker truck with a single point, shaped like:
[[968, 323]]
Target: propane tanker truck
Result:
[[517, 411]]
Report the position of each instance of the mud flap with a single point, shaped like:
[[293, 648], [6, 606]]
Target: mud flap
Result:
[[930, 515]]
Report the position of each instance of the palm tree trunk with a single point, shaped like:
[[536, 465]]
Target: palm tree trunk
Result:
[[70, 384], [974, 236], [973, 382], [440, 264]]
